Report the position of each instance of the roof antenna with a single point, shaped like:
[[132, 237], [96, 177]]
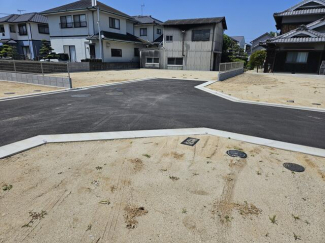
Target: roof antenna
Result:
[[20, 11], [142, 7]]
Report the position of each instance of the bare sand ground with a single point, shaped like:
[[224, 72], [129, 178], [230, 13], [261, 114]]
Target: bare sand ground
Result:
[[82, 79], [157, 190], [298, 90], [8, 89]]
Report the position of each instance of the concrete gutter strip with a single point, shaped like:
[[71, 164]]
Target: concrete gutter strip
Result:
[[67, 90], [24, 145]]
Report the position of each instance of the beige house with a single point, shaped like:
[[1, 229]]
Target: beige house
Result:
[[188, 44]]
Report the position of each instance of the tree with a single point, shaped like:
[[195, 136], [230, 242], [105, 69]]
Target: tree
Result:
[[231, 51], [45, 49], [8, 51], [274, 34], [257, 59]]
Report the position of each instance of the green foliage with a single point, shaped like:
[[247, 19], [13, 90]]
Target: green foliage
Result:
[[231, 51], [274, 34], [8, 51], [46, 49], [257, 59]]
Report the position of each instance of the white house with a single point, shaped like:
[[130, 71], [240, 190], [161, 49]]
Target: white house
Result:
[[148, 28], [25, 31], [188, 44], [89, 29]]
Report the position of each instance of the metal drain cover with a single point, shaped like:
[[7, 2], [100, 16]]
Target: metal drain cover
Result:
[[190, 141], [81, 96], [9, 93], [237, 153], [37, 90], [294, 167]]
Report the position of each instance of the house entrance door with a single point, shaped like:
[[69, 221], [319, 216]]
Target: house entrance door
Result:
[[92, 51]]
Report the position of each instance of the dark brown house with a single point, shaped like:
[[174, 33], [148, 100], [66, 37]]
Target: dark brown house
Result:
[[300, 47]]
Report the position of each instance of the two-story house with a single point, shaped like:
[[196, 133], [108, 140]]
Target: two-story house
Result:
[[25, 32], [256, 42], [188, 44], [148, 28], [300, 48], [89, 29]]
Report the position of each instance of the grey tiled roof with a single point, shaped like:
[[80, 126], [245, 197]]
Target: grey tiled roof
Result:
[[83, 5], [302, 12], [238, 38], [197, 21], [27, 17], [316, 23], [293, 10], [147, 20], [291, 37], [265, 34]]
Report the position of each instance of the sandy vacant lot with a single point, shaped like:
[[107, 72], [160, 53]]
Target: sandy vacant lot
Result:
[[103, 77], [276, 88], [157, 190], [8, 89]]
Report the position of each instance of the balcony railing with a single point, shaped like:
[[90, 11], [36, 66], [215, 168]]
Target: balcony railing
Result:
[[73, 25]]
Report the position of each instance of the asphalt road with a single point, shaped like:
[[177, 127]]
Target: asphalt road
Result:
[[153, 104]]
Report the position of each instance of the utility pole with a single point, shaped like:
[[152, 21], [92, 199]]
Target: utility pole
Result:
[[142, 8]]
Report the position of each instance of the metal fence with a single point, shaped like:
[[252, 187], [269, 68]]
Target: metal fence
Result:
[[34, 67], [229, 66]]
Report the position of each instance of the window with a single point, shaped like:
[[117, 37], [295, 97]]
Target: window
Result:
[[178, 61], [66, 22], [158, 31], [200, 35], [136, 52], [297, 57], [114, 23], [79, 21], [12, 28], [143, 32], [116, 52], [43, 29], [22, 29], [169, 38], [152, 60], [2, 28]]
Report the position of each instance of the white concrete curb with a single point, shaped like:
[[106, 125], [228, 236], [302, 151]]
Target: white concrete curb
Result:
[[202, 87], [67, 90], [26, 144]]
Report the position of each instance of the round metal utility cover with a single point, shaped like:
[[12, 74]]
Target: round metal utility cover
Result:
[[81, 96], [294, 167], [237, 153]]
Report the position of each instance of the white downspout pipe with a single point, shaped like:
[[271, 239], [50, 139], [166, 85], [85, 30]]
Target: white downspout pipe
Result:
[[94, 4], [99, 35]]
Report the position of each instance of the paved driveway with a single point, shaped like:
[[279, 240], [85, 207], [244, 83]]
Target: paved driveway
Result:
[[153, 104]]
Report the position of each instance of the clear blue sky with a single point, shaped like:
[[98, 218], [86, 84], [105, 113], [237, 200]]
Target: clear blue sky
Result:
[[249, 18]]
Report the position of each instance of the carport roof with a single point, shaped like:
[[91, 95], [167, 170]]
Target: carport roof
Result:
[[118, 37], [200, 21]]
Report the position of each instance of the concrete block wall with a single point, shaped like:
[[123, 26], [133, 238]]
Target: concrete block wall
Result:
[[229, 74], [63, 82]]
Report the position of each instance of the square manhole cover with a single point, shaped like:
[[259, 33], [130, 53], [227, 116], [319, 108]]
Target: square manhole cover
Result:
[[190, 141]]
